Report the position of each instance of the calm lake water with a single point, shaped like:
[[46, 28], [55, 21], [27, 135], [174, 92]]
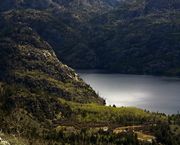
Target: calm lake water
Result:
[[153, 93]]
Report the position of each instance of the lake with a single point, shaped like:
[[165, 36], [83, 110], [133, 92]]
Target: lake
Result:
[[152, 93]]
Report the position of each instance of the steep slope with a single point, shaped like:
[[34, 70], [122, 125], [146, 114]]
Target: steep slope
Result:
[[132, 36], [32, 82], [26, 59], [63, 36], [61, 24]]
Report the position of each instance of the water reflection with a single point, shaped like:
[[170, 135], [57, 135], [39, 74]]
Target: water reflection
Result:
[[160, 94]]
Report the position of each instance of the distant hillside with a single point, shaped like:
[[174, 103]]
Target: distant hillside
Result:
[[132, 36], [140, 38], [76, 6]]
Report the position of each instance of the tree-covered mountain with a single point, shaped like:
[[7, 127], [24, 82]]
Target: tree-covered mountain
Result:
[[29, 60], [76, 6], [132, 36], [44, 102], [141, 37], [59, 22]]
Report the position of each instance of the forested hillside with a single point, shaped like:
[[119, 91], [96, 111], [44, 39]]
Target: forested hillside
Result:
[[132, 36], [44, 102], [140, 38]]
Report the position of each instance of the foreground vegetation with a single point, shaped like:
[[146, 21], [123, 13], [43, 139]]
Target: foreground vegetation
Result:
[[77, 123]]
